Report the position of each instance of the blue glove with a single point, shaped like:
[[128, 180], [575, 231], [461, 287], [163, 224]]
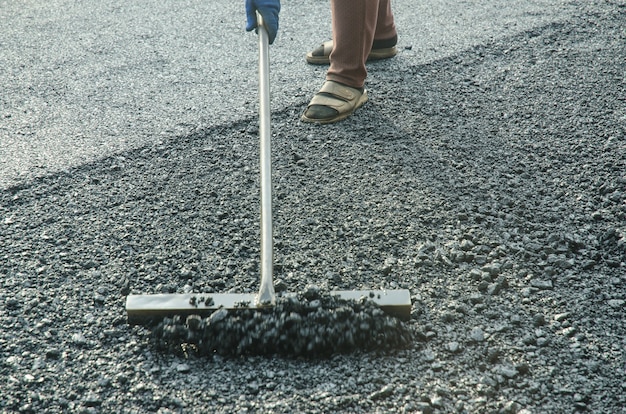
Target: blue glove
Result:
[[269, 10]]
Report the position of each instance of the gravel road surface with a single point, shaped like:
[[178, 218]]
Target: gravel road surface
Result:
[[487, 175], [81, 81]]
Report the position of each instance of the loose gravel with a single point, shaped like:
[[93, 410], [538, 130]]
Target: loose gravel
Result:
[[491, 184]]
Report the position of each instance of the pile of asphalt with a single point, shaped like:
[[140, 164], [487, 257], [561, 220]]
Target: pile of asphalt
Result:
[[310, 324], [491, 184]]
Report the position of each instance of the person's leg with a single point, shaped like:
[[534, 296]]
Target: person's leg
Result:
[[354, 24], [385, 35]]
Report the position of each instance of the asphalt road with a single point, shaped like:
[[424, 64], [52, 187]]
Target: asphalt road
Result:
[[81, 81], [486, 175]]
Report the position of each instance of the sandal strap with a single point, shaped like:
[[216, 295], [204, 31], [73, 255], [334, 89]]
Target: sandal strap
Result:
[[330, 101], [337, 96], [324, 49], [343, 92], [341, 98]]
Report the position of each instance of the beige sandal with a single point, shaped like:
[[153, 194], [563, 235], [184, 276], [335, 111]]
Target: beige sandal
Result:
[[321, 55], [334, 102]]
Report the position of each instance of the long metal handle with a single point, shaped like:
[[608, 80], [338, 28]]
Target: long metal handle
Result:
[[267, 296]]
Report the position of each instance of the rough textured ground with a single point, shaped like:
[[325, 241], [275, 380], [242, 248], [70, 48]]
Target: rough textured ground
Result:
[[81, 81], [492, 184]]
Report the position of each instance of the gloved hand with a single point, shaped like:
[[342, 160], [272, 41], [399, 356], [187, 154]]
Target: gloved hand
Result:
[[269, 10]]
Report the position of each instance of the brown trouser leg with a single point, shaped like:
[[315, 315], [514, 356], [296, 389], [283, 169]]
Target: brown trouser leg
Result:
[[356, 23]]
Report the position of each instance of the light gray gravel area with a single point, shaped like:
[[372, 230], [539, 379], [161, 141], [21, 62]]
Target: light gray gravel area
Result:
[[81, 81], [490, 182]]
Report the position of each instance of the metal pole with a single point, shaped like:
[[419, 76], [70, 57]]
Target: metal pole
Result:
[[266, 296]]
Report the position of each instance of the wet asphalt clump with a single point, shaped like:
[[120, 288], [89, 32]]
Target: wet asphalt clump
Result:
[[298, 326]]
